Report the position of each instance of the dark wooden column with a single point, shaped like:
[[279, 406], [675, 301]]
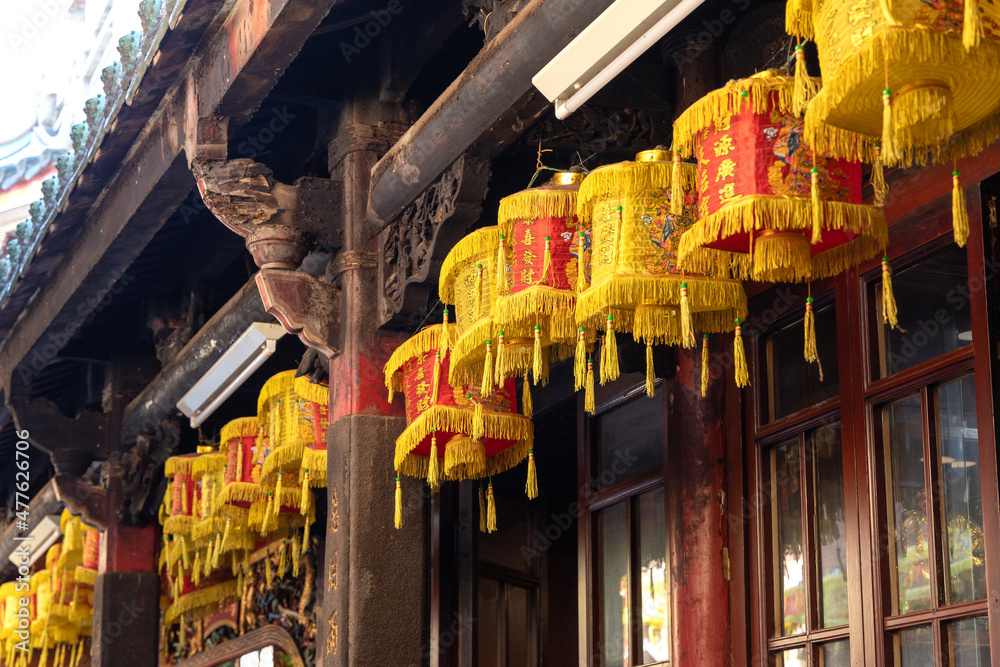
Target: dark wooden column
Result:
[[377, 578]]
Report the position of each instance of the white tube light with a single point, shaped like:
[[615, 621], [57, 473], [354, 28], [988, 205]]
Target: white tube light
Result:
[[579, 71], [236, 364], [46, 533]]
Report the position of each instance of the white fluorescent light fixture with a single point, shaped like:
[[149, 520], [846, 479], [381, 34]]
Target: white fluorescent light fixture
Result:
[[246, 355], [611, 43], [44, 535]]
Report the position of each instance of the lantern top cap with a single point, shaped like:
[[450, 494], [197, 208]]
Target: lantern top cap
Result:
[[654, 155], [566, 178]]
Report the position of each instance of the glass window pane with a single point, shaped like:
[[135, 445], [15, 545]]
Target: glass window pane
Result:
[[907, 505], [913, 648], [488, 621], [786, 518], [518, 640], [831, 535], [793, 383], [962, 503], [793, 658], [835, 654], [969, 643], [934, 315], [630, 440], [653, 566], [509, 544], [612, 530]]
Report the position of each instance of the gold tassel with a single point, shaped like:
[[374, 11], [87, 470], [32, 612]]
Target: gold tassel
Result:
[[500, 369], [239, 461], [888, 129], [677, 187], [581, 265], [398, 518], [650, 371], [486, 390], [959, 214], [547, 260], [478, 425], [185, 502], [305, 536], [444, 343], [282, 560], [879, 186], [588, 396], [482, 510], [45, 651], [536, 359], [972, 25], [609, 354], [527, 406], [817, 207], [225, 535], [296, 556], [432, 468], [806, 87], [811, 353], [531, 487], [889, 314], [277, 494], [742, 372], [304, 497], [196, 570], [580, 361], [502, 280], [479, 290], [687, 319], [704, 365], [268, 512], [435, 386], [183, 631], [491, 510], [268, 572]]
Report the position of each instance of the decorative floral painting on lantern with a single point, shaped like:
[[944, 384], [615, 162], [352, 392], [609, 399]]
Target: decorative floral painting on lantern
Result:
[[665, 229], [572, 267], [790, 173]]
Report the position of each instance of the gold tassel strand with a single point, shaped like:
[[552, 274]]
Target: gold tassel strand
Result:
[[277, 494], [500, 370], [806, 87], [677, 187], [196, 570], [482, 510], [889, 153], [297, 556], [889, 314], [398, 518], [704, 365], [588, 396], [536, 358], [491, 510], [436, 384], [531, 486], [879, 186], [444, 343], [972, 25], [817, 207], [527, 405], [742, 372], [609, 354], [502, 280], [811, 353], [268, 512], [547, 260], [650, 371], [432, 467], [579, 361], [268, 572], [304, 497], [282, 559], [959, 214], [581, 265], [687, 319], [478, 423], [486, 390], [479, 290]]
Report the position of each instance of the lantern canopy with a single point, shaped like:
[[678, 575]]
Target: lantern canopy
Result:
[[909, 74], [238, 440], [771, 207], [636, 284], [183, 493], [541, 230]]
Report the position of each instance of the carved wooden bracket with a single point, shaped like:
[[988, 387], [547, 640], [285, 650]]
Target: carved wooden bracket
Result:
[[413, 246], [83, 498], [72, 444], [306, 306]]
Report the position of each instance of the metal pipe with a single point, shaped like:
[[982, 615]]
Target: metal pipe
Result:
[[493, 82]]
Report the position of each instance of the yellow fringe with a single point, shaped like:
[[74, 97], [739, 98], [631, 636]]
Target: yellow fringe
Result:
[[85, 575], [469, 351], [536, 203], [491, 510], [972, 25], [425, 341], [526, 404], [531, 485], [806, 87], [178, 525], [650, 371], [201, 598], [277, 386], [959, 213], [478, 427], [799, 18], [897, 45], [739, 354], [503, 282], [240, 492], [280, 458], [178, 465], [704, 366], [245, 427], [472, 248], [538, 304], [464, 458], [312, 392], [879, 186], [611, 181], [315, 460]]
